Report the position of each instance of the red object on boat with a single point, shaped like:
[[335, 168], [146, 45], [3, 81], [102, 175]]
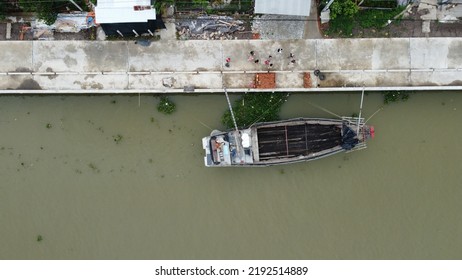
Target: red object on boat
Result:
[[372, 131]]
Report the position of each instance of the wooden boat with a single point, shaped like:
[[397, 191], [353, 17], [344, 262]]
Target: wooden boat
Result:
[[284, 142]]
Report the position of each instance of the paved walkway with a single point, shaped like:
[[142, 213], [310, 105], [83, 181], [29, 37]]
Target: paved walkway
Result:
[[311, 24], [179, 66]]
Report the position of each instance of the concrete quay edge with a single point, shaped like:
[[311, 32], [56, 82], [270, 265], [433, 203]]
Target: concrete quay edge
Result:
[[104, 67], [220, 90]]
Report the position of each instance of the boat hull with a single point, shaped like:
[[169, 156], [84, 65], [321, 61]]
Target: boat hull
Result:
[[284, 142]]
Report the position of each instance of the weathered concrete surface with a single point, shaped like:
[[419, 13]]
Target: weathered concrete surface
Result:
[[175, 56], [363, 54], [185, 66], [79, 56], [15, 56], [146, 82]]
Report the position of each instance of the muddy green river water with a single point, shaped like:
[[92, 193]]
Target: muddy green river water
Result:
[[111, 178]]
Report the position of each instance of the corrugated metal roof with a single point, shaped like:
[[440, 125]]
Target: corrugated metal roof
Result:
[[283, 7], [116, 11]]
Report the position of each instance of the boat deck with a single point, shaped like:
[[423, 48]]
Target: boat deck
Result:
[[296, 140]]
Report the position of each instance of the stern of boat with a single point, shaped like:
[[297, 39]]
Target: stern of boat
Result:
[[208, 156], [358, 133]]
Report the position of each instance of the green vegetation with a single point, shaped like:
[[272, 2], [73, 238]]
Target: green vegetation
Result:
[[160, 4], [255, 107], [46, 10], [214, 6], [343, 8], [376, 18], [379, 3], [46, 13], [166, 106], [2, 10], [344, 20], [200, 3], [395, 96]]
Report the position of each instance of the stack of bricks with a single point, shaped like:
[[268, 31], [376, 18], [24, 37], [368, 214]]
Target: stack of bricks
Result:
[[306, 80], [265, 80]]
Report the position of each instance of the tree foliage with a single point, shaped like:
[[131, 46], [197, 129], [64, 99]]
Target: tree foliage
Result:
[[46, 10], [2, 10], [46, 13], [160, 4], [200, 3], [343, 8]]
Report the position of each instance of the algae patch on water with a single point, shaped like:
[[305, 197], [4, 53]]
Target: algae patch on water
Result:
[[166, 106], [255, 107], [395, 96]]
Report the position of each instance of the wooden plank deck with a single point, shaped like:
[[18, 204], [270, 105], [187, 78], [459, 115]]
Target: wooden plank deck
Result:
[[293, 141]]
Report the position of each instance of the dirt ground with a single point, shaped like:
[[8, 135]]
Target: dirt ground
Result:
[[412, 27], [15, 28], [88, 34]]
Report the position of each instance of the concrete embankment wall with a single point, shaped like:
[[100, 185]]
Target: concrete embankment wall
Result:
[[47, 67]]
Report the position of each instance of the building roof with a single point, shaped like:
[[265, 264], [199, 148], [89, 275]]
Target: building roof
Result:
[[283, 7], [116, 11]]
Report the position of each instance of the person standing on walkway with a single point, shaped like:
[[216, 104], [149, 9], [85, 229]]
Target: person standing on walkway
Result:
[[291, 58], [252, 56]]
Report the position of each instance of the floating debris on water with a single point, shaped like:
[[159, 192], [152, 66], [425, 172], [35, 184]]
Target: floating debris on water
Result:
[[117, 138]]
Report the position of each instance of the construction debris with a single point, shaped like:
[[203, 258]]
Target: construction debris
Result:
[[65, 23], [168, 82], [307, 80], [208, 28]]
